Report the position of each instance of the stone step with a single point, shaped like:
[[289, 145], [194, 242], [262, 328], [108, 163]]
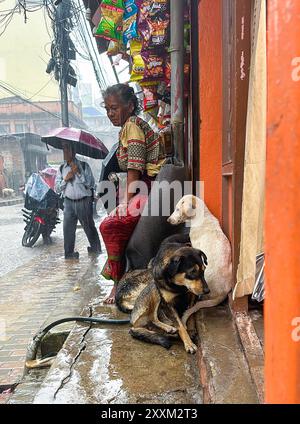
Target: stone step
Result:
[[224, 370]]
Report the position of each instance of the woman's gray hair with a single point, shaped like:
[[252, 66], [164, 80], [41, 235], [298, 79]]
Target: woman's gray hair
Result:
[[125, 93]]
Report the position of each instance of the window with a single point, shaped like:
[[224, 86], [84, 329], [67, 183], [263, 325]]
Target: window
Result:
[[4, 129], [21, 128]]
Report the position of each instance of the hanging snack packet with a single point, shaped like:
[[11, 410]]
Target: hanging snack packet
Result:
[[130, 21], [119, 4], [144, 27], [107, 29], [110, 26], [138, 66], [115, 47], [159, 9], [159, 33], [154, 65], [168, 70], [130, 8], [145, 7], [150, 95]]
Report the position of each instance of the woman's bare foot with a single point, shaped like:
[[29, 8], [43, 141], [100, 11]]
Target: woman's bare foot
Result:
[[110, 300]]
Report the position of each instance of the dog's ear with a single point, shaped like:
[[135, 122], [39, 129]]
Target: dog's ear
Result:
[[203, 257], [173, 265], [190, 206]]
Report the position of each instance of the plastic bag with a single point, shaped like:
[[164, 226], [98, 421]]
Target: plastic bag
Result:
[[36, 187]]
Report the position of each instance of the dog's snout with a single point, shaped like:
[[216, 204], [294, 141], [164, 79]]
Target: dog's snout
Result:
[[206, 290]]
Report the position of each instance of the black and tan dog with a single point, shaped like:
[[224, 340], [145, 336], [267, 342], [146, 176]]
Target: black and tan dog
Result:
[[177, 272], [134, 282]]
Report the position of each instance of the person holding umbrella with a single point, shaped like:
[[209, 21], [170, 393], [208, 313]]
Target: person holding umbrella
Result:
[[140, 155], [76, 182]]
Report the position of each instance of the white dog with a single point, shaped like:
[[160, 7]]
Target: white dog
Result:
[[206, 235], [8, 192]]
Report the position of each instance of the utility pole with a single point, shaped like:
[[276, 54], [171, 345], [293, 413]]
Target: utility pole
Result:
[[177, 76], [62, 15]]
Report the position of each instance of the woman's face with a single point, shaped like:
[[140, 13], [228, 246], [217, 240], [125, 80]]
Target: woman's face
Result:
[[117, 111]]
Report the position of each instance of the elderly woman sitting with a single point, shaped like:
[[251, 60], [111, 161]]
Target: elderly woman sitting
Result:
[[140, 156]]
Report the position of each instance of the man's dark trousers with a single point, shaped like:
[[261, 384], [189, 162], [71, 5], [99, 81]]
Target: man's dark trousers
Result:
[[81, 210]]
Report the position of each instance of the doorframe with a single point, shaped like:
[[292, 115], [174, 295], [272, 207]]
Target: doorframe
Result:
[[236, 70]]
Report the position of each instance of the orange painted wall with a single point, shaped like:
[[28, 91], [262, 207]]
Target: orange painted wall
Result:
[[282, 242], [210, 69]]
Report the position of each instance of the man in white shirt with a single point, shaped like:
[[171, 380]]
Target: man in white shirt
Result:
[[75, 181]]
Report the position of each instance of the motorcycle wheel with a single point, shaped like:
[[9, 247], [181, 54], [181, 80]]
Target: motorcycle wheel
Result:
[[31, 234]]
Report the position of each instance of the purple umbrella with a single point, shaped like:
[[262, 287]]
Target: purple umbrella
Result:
[[85, 143]]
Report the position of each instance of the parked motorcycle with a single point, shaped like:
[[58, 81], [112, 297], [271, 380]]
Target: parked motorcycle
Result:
[[41, 208]]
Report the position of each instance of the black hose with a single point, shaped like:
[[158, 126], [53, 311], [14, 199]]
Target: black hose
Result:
[[85, 319], [34, 344]]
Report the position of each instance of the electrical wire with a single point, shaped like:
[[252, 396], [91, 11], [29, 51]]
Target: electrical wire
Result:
[[27, 101]]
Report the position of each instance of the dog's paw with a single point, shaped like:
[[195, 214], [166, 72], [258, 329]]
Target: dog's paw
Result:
[[171, 330], [191, 348], [192, 333]]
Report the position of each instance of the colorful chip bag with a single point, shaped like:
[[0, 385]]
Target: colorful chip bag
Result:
[[130, 21], [159, 33], [119, 4], [154, 65], [168, 70], [150, 95], [159, 9], [130, 8], [138, 66], [110, 26], [115, 47]]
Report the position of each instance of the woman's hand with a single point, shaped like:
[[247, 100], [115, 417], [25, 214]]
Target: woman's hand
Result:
[[122, 209], [74, 168], [133, 176]]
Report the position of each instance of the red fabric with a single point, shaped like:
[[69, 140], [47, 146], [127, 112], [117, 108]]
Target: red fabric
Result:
[[116, 232]]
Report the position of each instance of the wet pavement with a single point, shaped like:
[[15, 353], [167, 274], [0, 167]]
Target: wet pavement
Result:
[[105, 365], [111, 366], [44, 288], [12, 253]]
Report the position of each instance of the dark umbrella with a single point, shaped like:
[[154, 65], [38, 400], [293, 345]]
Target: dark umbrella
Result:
[[110, 164], [86, 144]]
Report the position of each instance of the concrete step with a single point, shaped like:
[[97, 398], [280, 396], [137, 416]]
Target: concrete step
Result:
[[225, 373]]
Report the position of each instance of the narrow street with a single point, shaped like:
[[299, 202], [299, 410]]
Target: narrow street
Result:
[[36, 286], [12, 253]]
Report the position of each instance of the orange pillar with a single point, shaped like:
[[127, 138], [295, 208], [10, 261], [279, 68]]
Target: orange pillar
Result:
[[210, 77], [282, 305]]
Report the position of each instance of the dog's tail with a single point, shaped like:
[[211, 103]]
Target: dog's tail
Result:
[[200, 305], [150, 337]]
